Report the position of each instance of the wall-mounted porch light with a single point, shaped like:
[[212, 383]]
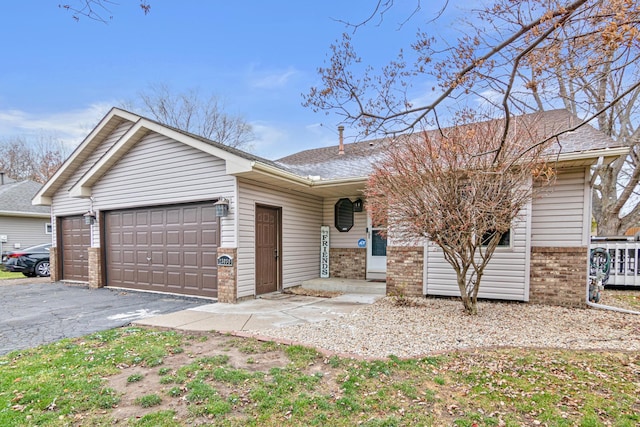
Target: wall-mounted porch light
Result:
[[89, 218], [222, 208], [357, 205]]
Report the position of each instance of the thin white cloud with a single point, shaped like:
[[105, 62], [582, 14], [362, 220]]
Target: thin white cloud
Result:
[[270, 140], [271, 79], [68, 126]]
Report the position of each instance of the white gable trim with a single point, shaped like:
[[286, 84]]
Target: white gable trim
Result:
[[45, 195], [83, 187]]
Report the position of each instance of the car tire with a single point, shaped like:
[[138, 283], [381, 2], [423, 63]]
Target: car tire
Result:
[[42, 269]]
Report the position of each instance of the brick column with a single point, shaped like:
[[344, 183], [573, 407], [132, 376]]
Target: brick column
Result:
[[227, 277], [95, 268], [348, 263], [405, 270], [559, 276], [53, 264]]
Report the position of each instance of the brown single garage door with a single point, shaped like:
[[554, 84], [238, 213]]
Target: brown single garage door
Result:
[[75, 239], [165, 249]]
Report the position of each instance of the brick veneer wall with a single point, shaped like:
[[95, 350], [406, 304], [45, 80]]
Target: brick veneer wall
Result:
[[95, 268], [348, 263], [405, 267], [53, 264], [227, 277], [558, 276]]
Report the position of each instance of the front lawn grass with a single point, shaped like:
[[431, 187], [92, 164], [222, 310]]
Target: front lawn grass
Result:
[[243, 382], [11, 275]]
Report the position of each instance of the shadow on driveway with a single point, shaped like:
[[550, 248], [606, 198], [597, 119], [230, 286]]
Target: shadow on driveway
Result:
[[41, 313]]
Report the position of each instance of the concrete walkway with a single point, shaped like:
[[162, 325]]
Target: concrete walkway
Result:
[[268, 311]]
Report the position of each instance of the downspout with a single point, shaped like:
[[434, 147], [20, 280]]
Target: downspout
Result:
[[608, 307]]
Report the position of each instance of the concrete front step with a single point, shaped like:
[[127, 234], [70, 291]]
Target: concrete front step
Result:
[[349, 286]]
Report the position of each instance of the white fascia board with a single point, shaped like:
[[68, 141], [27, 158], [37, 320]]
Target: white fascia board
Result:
[[282, 174], [593, 154], [341, 181], [25, 214], [39, 200]]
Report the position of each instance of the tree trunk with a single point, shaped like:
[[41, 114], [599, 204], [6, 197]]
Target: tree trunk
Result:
[[470, 303], [610, 226]]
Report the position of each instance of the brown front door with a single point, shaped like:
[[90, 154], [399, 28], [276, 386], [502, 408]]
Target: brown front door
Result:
[[267, 249], [75, 239]]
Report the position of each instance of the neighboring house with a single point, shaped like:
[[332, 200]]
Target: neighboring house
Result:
[[152, 188], [22, 224]]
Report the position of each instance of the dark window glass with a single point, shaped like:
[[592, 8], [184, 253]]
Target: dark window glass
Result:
[[378, 244], [344, 215], [505, 239]]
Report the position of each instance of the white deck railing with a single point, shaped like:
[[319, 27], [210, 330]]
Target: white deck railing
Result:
[[625, 261]]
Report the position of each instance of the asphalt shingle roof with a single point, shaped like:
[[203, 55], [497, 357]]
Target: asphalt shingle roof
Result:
[[359, 157], [16, 197]]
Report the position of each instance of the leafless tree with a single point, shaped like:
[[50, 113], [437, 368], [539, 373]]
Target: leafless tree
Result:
[[192, 112], [35, 160], [450, 188], [500, 43], [98, 10]]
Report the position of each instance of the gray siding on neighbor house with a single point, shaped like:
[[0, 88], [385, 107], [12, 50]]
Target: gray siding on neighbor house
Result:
[[506, 276], [160, 171], [24, 232], [301, 221], [350, 238], [64, 205], [562, 216]]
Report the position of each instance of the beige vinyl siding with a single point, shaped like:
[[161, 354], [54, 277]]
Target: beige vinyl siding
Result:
[[63, 205], [23, 232], [159, 171], [301, 221], [350, 238], [562, 216], [506, 276]]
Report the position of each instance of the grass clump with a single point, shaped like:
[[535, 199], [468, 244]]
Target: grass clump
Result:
[[149, 400]]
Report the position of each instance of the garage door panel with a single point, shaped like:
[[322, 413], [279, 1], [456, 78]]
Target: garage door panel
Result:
[[190, 216], [157, 237], [173, 237], [157, 258], [174, 258], [127, 220], [126, 237], [173, 279], [190, 237], [209, 237], [173, 217], [141, 218], [174, 250]]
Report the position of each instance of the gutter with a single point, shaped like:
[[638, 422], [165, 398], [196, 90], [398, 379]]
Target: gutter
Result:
[[311, 182], [26, 214], [605, 152]]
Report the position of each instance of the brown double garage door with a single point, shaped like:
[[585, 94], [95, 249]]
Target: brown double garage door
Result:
[[164, 249]]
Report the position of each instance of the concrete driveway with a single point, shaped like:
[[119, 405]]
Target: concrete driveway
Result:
[[39, 313]]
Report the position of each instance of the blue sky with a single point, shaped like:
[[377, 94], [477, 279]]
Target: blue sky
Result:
[[59, 77]]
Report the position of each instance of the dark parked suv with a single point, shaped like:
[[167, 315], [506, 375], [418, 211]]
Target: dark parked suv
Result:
[[31, 262]]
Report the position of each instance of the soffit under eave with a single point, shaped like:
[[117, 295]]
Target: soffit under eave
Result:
[[313, 188]]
